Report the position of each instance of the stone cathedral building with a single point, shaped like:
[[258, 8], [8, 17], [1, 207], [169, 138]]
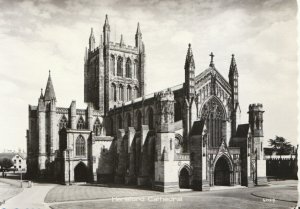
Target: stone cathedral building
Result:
[[186, 136]]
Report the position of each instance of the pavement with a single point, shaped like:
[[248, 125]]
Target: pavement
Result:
[[45, 196], [32, 198], [133, 198]]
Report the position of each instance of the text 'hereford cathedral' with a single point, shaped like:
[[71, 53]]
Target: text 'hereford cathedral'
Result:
[[186, 136]]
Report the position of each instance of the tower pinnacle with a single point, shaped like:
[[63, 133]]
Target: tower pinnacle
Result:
[[211, 60], [49, 92]]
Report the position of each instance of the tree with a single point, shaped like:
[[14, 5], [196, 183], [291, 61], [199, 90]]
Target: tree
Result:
[[281, 146], [5, 164]]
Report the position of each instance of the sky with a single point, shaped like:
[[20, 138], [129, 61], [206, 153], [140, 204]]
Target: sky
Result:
[[38, 36]]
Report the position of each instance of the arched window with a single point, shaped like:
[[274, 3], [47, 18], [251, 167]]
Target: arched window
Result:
[[121, 93], [139, 121], [150, 119], [97, 127], [128, 120], [80, 146], [178, 113], [63, 123], [80, 123], [135, 69], [120, 66], [135, 92], [128, 68], [120, 124], [129, 93], [113, 92], [213, 113], [112, 65]]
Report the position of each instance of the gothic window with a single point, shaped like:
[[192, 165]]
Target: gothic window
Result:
[[178, 113], [213, 113], [135, 92], [121, 93], [113, 92], [120, 66], [80, 123], [112, 64], [150, 119], [135, 68], [80, 146], [97, 127], [63, 123], [139, 121], [128, 68], [129, 93]]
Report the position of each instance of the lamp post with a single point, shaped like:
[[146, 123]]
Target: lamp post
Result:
[[69, 172]]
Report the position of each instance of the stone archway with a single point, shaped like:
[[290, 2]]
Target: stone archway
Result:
[[80, 173], [222, 172], [184, 178]]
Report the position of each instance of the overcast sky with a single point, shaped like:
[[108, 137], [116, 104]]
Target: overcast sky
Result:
[[36, 36]]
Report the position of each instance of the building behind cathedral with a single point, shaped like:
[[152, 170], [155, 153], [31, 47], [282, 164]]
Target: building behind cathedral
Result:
[[186, 136]]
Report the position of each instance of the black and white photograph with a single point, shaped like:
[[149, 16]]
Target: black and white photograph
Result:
[[149, 104]]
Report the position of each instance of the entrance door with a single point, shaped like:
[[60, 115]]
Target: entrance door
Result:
[[184, 179], [80, 172], [222, 173]]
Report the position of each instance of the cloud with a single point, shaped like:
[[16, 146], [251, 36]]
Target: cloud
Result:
[[52, 34]]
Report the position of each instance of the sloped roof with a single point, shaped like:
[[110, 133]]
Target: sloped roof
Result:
[[197, 128], [49, 92], [242, 130]]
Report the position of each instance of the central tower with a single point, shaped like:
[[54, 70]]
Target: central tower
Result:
[[113, 72]]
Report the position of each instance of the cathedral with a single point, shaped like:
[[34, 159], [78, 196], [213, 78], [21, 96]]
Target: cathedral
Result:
[[185, 136]]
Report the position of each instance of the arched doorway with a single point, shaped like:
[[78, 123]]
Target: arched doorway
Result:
[[80, 172], [222, 172], [184, 179]]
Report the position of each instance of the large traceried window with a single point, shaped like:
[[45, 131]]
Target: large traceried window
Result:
[[178, 112], [80, 146], [214, 115], [63, 123], [135, 69], [120, 66], [128, 68], [112, 64], [150, 119], [138, 121], [80, 123]]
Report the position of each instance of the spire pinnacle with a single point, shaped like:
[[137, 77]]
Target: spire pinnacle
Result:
[[122, 41], [49, 92], [138, 30], [106, 26], [189, 60], [211, 60], [41, 96], [233, 67]]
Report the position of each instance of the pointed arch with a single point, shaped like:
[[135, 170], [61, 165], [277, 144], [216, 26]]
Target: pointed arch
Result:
[[80, 146], [128, 68], [113, 92], [121, 92], [112, 65], [120, 66], [129, 93], [97, 127], [213, 113], [63, 122], [80, 123]]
